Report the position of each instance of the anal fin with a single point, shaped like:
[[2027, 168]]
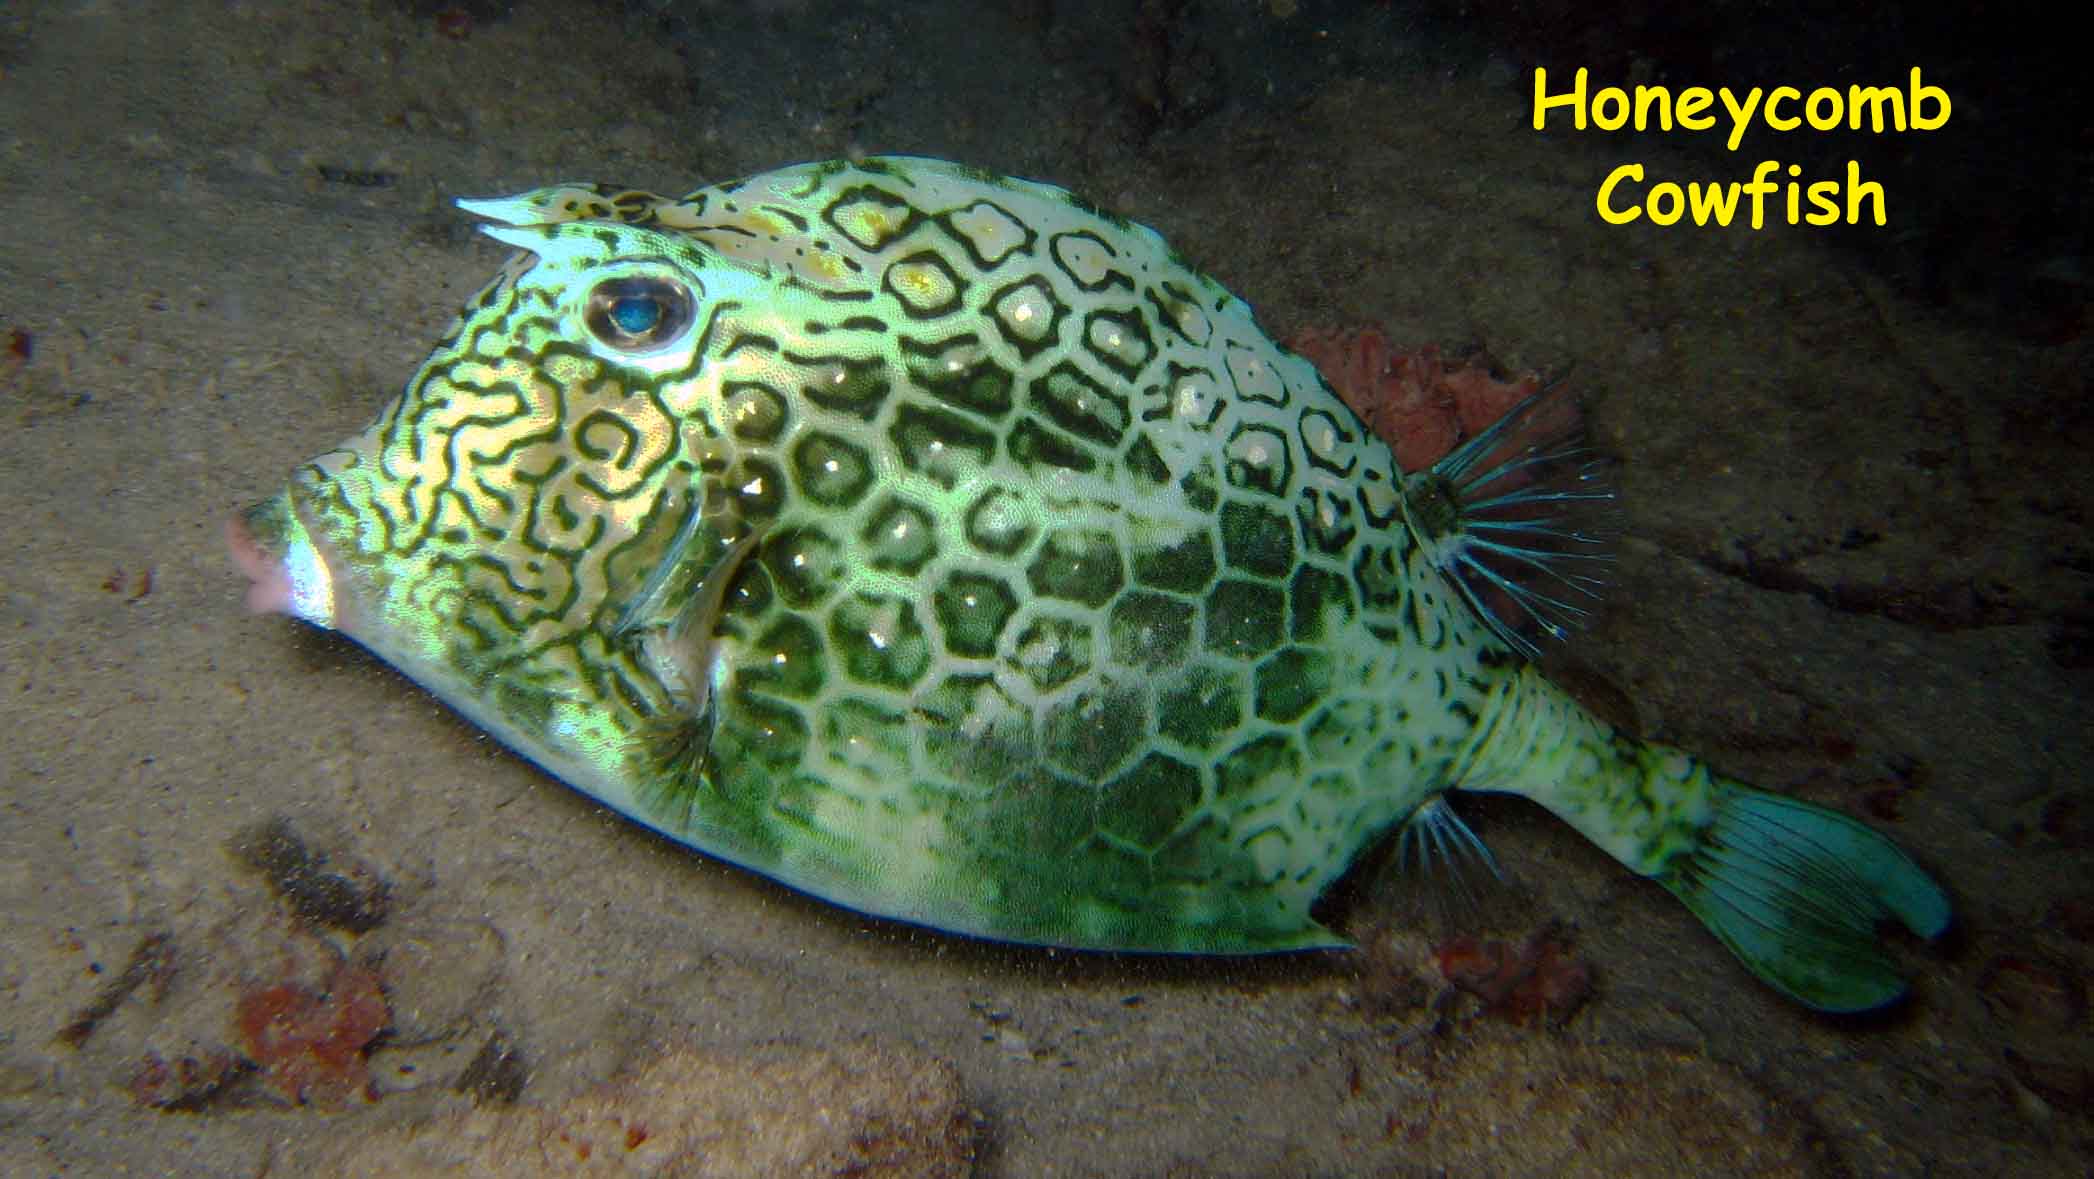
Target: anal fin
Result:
[[1436, 836]]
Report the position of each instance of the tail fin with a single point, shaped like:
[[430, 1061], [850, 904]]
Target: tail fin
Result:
[[1797, 892]]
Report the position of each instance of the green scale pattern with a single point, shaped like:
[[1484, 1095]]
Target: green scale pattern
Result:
[[939, 545], [1078, 612]]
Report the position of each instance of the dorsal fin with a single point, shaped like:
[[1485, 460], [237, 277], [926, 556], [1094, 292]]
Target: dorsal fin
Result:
[[1509, 516]]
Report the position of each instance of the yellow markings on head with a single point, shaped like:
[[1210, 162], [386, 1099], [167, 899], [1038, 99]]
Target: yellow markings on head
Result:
[[991, 231], [924, 284], [824, 266], [873, 223], [921, 285], [678, 215]]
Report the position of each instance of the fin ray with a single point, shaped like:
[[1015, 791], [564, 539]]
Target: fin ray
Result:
[[671, 621], [1435, 833], [1500, 513], [649, 604]]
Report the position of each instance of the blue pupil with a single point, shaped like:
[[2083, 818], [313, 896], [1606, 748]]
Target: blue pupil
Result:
[[636, 315]]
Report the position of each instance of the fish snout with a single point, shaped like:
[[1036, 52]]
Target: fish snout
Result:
[[286, 572]]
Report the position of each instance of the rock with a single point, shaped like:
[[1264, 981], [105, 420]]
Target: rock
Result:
[[335, 890], [1532, 981], [312, 1045], [1418, 401]]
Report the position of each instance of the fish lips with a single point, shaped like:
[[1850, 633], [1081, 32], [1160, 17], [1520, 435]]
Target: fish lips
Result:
[[287, 572]]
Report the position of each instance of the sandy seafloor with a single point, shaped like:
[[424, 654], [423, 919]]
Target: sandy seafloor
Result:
[[1855, 569]]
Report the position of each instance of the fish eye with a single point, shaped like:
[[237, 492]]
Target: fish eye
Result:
[[638, 314]]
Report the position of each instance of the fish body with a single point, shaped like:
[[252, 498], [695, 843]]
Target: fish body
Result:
[[939, 545]]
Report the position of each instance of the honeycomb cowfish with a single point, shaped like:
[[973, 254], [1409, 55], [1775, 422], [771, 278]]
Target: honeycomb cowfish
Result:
[[942, 546]]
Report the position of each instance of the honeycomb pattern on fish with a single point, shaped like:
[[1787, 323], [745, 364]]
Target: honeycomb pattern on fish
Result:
[[945, 547], [1059, 611], [1061, 558]]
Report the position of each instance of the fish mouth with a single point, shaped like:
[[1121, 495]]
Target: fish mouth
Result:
[[286, 571]]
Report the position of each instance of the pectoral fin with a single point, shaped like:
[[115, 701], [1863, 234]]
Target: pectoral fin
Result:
[[673, 622]]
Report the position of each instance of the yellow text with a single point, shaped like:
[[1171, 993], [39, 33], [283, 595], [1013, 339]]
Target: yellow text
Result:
[[1622, 200]]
